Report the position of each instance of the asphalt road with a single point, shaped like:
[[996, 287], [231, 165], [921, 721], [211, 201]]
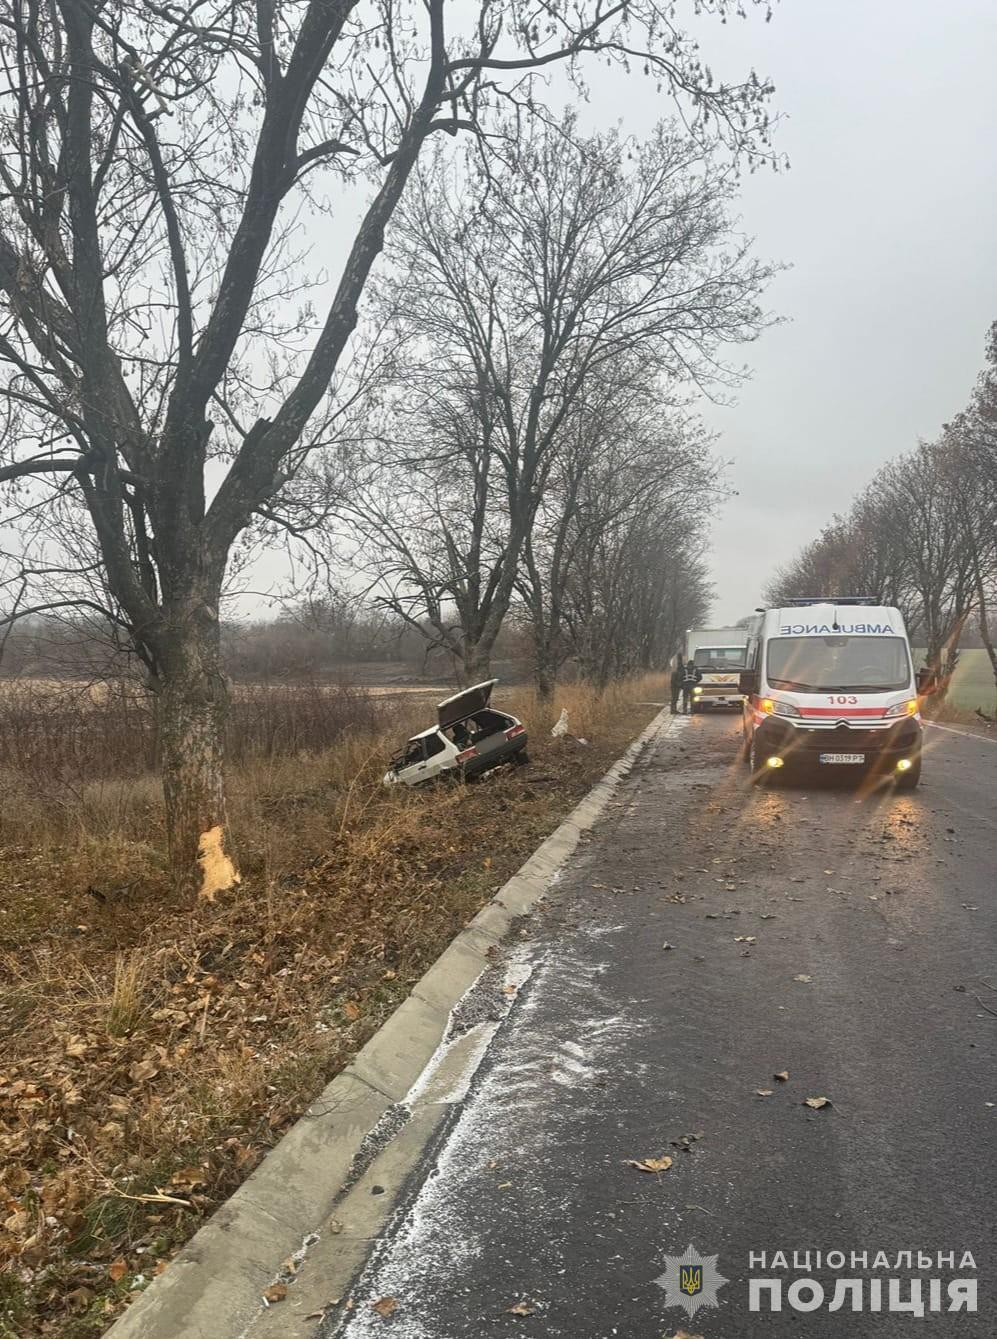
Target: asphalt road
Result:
[[846, 938]]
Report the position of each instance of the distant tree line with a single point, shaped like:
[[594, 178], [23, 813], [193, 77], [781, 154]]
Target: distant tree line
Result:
[[922, 536]]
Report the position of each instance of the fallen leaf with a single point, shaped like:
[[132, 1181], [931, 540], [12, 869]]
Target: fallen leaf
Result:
[[782, 1076], [764, 1092], [816, 1103], [188, 1176], [521, 1309], [117, 1269], [352, 1010], [803, 977], [385, 1306], [667, 945], [142, 1070], [275, 1293], [650, 1164], [745, 939]]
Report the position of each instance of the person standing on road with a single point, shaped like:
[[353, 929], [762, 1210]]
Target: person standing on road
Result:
[[678, 673], [691, 675]]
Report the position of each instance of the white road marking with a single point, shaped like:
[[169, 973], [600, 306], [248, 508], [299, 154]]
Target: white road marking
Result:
[[966, 734]]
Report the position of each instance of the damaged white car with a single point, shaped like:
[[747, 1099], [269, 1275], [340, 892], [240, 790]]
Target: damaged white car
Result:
[[470, 738]]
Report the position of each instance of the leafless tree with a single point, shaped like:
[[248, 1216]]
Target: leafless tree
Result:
[[167, 351], [519, 299], [623, 459], [637, 581], [970, 456]]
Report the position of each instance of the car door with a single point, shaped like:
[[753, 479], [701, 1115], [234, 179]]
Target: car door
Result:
[[414, 768], [439, 754]]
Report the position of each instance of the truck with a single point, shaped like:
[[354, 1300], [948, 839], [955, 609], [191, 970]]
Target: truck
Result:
[[718, 654], [829, 686]]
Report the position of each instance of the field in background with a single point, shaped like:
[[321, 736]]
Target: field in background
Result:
[[973, 683], [152, 1051]]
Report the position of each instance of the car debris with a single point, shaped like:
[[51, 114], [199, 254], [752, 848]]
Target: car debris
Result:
[[469, 739]]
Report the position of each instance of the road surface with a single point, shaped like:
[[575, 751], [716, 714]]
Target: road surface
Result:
[[707, 938]]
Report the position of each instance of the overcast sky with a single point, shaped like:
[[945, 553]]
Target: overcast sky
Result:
[[888, 220], [888, 217]]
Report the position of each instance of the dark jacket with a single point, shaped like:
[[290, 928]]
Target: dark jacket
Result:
[[691, 676]]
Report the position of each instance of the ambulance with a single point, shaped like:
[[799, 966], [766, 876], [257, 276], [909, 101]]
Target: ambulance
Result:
[[718, 654], [829, 686]]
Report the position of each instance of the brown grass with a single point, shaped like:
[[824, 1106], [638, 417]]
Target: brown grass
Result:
[[153, 1051]]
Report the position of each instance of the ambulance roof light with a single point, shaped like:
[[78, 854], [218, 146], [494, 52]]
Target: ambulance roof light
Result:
[[828, 599]]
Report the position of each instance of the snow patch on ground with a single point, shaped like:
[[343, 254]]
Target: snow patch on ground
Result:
[[517, 1120]]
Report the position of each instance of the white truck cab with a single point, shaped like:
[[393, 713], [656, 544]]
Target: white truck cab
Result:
[[830, 684], [718, 654]]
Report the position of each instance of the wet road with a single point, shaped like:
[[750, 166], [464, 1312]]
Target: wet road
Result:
[[706, 938]]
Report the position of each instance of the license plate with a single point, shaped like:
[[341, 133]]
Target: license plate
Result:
[[842, 757]]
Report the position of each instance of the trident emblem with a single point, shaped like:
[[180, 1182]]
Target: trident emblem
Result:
[[691, 1279]]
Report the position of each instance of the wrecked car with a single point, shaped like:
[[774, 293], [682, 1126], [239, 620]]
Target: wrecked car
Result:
[[470, 738]]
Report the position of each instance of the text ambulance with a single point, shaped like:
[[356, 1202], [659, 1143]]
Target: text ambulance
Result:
[[831, 684]]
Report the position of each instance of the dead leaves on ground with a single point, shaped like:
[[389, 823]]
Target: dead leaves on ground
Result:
[[385, 1306], [817, 1103], [650, 1164], [521, 1309]]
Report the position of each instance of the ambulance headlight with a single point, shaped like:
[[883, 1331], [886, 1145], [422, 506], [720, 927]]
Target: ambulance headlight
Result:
[[696, 691], [774, 708], [908, 708]]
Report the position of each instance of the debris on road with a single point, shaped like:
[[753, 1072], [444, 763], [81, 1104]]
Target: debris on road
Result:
[[650, 1164]]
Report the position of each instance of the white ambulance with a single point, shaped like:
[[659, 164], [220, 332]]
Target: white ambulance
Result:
[[718, 654], [829, 685]]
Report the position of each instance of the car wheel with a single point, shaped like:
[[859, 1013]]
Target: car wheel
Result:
[[521, 758], [760, 774], [911, 779]]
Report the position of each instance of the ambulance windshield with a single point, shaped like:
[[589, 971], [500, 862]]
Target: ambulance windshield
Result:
[[838, 664]]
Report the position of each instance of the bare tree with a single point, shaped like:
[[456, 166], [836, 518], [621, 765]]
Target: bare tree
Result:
[[624, 458], [639, 580], [572, 262], [970, 456], [165, 372]]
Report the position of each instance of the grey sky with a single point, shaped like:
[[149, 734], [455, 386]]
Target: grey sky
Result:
[[889, 219]]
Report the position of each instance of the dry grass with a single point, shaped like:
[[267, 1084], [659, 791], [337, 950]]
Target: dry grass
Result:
[[153, 1051]]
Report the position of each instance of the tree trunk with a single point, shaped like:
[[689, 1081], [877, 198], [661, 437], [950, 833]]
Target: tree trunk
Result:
[[476, 666], [545, 677], [193, 705]]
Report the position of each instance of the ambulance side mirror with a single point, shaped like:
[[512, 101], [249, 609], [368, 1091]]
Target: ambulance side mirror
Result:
[[747, 682]]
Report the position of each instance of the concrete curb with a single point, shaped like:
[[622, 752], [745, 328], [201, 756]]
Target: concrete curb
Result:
[[213, 1288]]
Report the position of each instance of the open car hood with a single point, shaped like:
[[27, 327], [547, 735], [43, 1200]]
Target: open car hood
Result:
[[459, 706]]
